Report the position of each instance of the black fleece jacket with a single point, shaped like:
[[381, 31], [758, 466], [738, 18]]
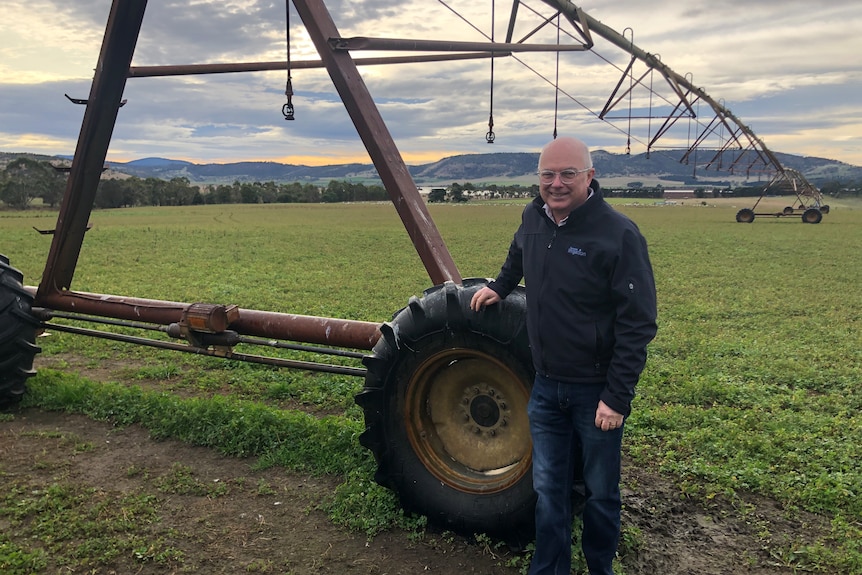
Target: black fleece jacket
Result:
[[591, 302]]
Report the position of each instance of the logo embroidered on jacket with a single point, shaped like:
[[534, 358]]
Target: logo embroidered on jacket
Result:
[[577, 251]]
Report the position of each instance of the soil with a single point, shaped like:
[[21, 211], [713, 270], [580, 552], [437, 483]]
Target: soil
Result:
[[281, 529]]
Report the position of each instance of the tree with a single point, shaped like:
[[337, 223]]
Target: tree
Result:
[[153, 192], [178, 192], [335, 192], [54, 187], [110, 194], [437, 195], [249, 194], [221, 194], [459, 197], [25, 179], [377, 193], [456, 192], [268, 192], [310, 194]]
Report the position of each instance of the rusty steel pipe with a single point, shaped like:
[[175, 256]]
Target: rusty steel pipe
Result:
[[308, 329], [231, 67], [366, 43]]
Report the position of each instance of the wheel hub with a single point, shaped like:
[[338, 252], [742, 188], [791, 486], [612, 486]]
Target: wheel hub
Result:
[[485, 410]]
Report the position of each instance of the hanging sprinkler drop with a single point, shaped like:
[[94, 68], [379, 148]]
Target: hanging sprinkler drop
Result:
[[287, 109]]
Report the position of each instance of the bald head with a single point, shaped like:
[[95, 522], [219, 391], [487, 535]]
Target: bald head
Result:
[[572, 148]]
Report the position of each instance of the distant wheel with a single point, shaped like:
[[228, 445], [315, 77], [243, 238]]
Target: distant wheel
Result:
[[788, 211], [812, 216], [18, 330], [445, 403], [745, 216], [824, 208]]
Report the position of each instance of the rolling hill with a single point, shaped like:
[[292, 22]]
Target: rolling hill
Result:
[[501, 168]]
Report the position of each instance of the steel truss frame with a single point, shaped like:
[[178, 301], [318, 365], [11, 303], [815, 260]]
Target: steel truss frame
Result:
[[213, 329]]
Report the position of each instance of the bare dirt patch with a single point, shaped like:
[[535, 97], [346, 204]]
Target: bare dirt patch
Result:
[[277, 529]]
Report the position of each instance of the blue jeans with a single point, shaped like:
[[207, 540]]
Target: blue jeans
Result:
[[560, 415]]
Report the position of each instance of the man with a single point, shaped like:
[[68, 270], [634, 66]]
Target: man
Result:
[[591, 311]]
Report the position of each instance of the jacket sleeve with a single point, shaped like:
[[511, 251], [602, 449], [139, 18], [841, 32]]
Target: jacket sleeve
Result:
[[633, 290], [513, 268]]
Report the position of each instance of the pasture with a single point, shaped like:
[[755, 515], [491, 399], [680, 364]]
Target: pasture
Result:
[[748, 408]]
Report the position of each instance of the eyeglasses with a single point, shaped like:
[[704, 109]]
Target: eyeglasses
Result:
[[566, 176]]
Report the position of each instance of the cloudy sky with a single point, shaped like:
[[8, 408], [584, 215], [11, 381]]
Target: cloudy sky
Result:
[[792, 73]]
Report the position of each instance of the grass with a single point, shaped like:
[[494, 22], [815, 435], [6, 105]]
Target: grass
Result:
[[82, 526], [752, 385]]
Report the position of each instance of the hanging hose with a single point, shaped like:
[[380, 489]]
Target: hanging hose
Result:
[[490, 137], [557, 80], [287, 109], [649, 120], [631, 87]]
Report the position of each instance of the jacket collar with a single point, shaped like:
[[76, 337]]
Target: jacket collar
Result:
[[582, 211]]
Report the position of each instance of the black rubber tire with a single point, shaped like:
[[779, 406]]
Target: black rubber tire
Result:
[[18, 330], [445, 403], [788, 211], [824, 208], [745, 216], [812, 216]]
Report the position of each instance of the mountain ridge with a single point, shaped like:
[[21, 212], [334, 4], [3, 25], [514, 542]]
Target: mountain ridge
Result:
[[499, 168]]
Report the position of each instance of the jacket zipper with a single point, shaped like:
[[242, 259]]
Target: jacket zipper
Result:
[[550, 243]]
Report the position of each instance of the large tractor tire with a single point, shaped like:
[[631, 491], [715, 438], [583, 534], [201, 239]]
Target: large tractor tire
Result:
[[445, 404], [18, 330]]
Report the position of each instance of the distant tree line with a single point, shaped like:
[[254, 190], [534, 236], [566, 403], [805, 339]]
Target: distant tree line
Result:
[[116, 193], [457, 192], [25, 179]]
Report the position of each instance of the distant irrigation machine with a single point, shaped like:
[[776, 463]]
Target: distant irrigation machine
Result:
[[445, 389]]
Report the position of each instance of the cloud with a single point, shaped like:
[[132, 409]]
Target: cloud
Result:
[[793, 77]]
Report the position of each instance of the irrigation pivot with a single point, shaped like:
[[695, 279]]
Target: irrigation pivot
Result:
[[445, 388]]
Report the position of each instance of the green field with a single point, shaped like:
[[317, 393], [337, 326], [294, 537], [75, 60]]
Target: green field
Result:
[[752, 384]]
